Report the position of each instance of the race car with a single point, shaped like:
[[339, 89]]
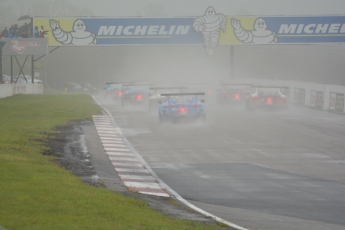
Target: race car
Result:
[[135, 94], [156, 94], [181, 106], [267, 97], [232, 93], [114, 90]]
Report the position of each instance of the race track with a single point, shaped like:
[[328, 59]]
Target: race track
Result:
[[281, 170]]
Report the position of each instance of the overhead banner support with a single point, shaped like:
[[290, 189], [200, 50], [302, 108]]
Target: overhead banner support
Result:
[[2, 43], [25, 46]]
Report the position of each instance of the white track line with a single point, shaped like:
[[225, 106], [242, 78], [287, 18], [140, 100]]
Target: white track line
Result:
[[165, 186], [133, 170], [110, 140], [110, 145], [119, 154], [106, 138], [116, 149], [127, 164], [155, 194], [124, 159], [135, 177], [142, 185]]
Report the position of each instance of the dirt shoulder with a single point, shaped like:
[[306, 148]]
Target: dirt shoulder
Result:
[[77, 148]]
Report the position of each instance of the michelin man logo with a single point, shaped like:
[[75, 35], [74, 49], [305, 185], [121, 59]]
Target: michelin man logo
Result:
[[260, 34], [210, 24], [79, 36]]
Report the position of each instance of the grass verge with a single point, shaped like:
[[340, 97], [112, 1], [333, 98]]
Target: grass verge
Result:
[[36, 193]]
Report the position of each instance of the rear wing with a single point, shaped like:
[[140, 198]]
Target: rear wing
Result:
[[234, 84], [117, 83], [284, 90], [181, 94], [135, 84], [276, 86], [156, 88]]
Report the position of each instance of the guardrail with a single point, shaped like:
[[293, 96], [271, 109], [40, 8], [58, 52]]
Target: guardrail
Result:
[[313, 95], [8, 90]]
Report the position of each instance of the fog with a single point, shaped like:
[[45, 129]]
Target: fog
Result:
[[159, 64], [97, 65], [266, 162]]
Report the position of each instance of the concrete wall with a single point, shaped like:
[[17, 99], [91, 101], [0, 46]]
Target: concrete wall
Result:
[[7, 90]]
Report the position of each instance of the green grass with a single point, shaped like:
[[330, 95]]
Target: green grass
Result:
[[52, 91], [36, 193]]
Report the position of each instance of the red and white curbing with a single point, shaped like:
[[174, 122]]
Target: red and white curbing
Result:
[[130, 169]]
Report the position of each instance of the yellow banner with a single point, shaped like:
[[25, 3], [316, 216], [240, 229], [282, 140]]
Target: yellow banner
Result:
[[228, 37], [51, 24]]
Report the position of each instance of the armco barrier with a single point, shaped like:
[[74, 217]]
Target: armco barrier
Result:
[[329, 92], [8, 90]]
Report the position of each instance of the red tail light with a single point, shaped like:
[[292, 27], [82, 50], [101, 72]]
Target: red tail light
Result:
[[120, 93], [182, 110], [237, 96], [167, 106], [139, 97], [269, 100]]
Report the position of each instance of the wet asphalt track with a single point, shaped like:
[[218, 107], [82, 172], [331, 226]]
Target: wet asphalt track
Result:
[[260, 169]]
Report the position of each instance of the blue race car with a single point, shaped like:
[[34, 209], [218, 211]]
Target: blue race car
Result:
[[181, 106], [114, 90], [156, 94]]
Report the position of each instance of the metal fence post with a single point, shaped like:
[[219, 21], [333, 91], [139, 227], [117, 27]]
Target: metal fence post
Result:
[[1, 45]]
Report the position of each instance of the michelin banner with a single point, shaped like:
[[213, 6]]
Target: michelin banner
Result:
[[118, 31], [210, 29]]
